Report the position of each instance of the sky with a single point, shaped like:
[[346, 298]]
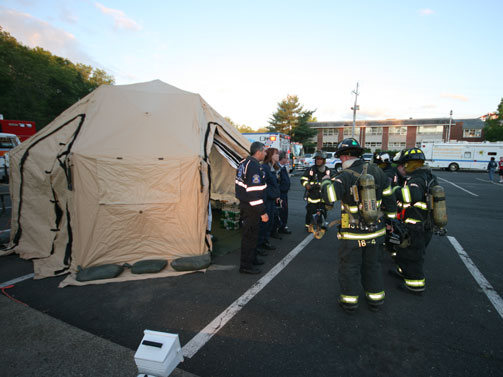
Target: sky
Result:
[[411, 58]]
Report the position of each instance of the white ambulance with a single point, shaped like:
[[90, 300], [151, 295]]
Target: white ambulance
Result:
[[461, 155]]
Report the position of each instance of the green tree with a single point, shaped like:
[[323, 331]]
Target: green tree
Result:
[[493, 129], [36, 85], [291, 118]]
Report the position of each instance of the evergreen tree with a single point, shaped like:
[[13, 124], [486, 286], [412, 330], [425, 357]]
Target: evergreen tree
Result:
[[291, 118], [493, 129]]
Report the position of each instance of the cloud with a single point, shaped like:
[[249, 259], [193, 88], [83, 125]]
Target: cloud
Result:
[[121, 21], [34, 32], [426, 12], [68, 16], [458, 97]]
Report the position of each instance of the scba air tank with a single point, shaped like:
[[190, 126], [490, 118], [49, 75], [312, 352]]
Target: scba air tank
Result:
[[368, 201], [439, 206]]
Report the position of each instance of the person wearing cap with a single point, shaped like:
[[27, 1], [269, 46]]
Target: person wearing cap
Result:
[[361, 238], [250, 188], [412, 198], [311, 180], [384, 162]]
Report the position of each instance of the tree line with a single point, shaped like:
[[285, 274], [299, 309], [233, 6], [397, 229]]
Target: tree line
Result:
[[493, 128], [37, 86]]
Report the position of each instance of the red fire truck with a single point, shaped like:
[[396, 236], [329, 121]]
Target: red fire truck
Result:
[[22, 128]]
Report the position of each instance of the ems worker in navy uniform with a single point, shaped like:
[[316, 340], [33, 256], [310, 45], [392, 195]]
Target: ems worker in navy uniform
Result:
[[284, 187], [250, 189], [413, 199], [361, 239], [311, 180]]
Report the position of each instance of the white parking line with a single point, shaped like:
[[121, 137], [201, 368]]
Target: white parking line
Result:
[[481, 280], [198, 341], [459, 187], [488, 181], [16, 280]]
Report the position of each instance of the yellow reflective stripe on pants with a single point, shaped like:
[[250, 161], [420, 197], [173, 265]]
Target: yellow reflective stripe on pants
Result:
[[415, 283], [349, 299], [309, 200], [375, 296], [391, 215], [362, 236]]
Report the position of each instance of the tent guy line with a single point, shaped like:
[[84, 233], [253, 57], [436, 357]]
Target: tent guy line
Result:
[[198, 341], [488, 289]]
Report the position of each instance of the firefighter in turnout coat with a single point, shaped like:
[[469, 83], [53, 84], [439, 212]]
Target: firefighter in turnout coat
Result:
[[311, 180], [363, 225], [412, 200]]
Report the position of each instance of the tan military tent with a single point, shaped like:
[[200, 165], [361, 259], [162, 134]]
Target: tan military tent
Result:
[[123, 175]]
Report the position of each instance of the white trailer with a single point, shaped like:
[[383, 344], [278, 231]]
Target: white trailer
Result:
[[461, 155]]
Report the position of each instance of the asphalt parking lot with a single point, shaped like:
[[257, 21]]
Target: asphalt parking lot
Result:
[[289, 323]]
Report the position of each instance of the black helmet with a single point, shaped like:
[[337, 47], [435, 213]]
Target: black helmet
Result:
[[319, 154], [412, 154], [349, 147]]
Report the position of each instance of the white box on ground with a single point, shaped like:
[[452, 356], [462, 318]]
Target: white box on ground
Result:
[[158, 354]]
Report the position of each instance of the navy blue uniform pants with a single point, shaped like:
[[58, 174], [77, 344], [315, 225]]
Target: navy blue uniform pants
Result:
[[250, 232]]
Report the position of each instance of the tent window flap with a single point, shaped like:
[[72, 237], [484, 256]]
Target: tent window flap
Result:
[[124, 182]]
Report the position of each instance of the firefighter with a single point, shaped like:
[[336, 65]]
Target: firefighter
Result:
[[361, 187], [311, 180], [250, 190], [384, 162], [412, 197]]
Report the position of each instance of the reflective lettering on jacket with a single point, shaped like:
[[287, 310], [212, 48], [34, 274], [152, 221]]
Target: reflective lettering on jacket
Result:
[[250, 184]]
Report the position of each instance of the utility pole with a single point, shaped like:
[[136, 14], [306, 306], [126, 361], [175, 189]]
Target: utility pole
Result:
[[354, 108], [449, 130]]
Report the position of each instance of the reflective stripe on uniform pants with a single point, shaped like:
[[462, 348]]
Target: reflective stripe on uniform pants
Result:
[[349, 299], [375, 296], [361, 236]]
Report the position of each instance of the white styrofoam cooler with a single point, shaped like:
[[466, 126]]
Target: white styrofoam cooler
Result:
[[158, 354]]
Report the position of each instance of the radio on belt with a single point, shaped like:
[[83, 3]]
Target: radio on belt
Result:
[[158, 354]]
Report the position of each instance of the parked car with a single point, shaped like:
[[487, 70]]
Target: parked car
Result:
[[333, 162], [368, 157], [308, 160]]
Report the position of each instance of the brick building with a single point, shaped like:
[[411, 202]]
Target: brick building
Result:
[[396, 134]]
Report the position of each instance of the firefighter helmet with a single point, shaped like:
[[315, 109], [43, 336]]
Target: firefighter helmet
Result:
[[349, 146], [412, 154]]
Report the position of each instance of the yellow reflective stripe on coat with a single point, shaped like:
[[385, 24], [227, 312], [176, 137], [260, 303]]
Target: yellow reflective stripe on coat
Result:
[[352, 209], [332, 197], [309, 200], [406, 194], [361, 236], [387, 191], [412, 221], [349, 299], [375, 296], [421, 205], [415, 283], [391, 215]]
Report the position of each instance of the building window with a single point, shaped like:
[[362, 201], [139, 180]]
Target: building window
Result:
[[472, 133], [422, 130], [373, 144], [329, 144], [373, 131], [330, 132], [398, 130], [396, 144], [348, 131]]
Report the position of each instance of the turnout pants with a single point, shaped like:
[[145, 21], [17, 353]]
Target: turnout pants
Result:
[[249, 237], [360, 265], [410, 260]]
